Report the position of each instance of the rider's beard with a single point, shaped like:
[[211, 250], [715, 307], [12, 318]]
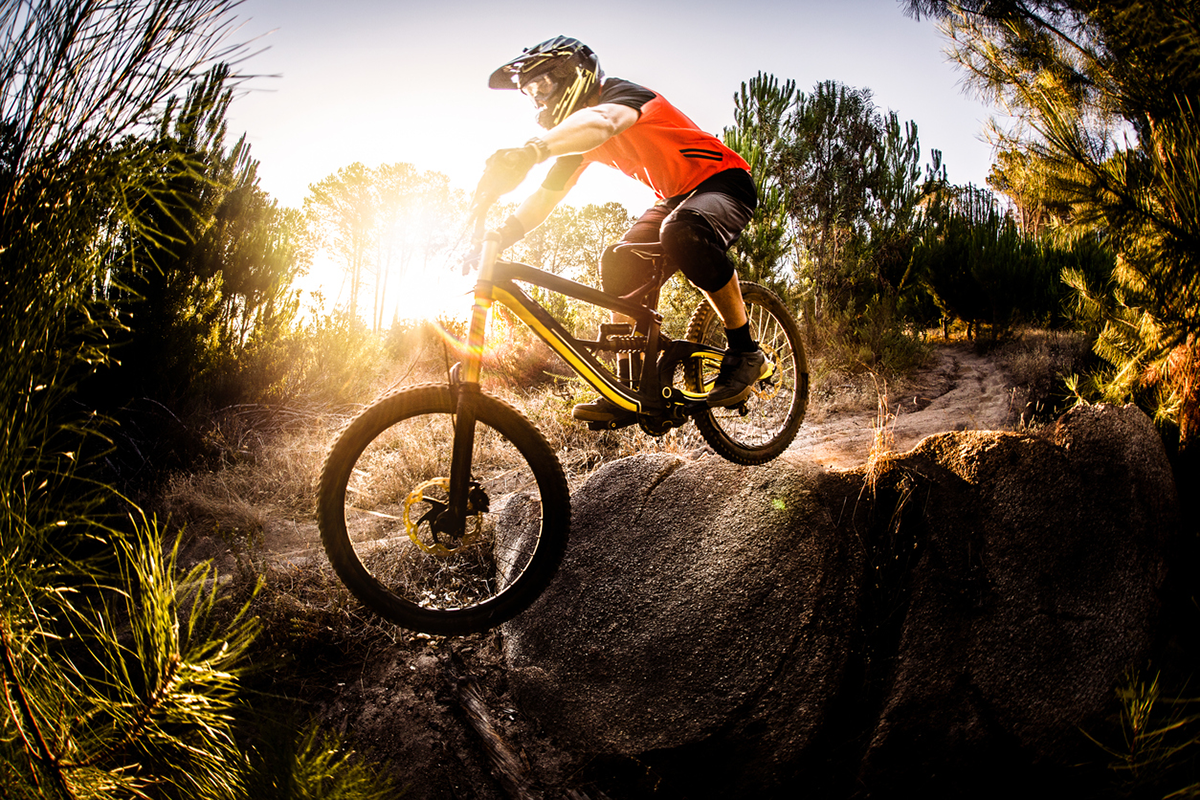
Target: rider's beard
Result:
[[545, 117]]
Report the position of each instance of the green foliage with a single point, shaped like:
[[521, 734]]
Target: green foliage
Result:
[[757, 136], [1105, 97], [982, 269], [840, 187], [114, 680], [121, 677], [825, 170], [208, 267], [313, 765], [853, 184], [875, 338], [119, 683], [1158, 738]]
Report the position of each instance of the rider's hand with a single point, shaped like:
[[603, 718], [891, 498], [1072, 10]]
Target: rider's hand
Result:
[[506, 169]]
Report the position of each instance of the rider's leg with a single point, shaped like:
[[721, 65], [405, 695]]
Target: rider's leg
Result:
[[620, 276], [620, 273], [728, 302], [693, 242]]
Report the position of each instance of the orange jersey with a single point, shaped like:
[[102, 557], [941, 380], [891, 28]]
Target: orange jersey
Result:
[[664, 149]]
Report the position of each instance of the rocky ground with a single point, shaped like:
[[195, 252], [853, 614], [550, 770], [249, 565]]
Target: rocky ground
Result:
[[439, 711]]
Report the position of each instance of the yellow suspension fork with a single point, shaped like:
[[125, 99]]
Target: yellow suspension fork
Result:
[[468, 388]]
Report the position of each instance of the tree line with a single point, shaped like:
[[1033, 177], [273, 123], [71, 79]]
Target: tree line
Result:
[[145, 278], [1103, 153]]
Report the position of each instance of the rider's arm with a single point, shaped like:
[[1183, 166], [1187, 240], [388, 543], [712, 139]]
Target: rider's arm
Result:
[[584, 130], [588, 128], [537, 207]]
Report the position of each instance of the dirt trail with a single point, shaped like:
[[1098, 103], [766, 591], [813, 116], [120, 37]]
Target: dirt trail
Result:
[[958, 390]]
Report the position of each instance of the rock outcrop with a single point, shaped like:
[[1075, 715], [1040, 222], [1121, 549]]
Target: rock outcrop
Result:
[[954, 616]]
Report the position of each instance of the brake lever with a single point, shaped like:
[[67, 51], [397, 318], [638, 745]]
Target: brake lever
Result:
[[480, 205]]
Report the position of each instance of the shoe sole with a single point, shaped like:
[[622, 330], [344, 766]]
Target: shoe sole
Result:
[[765, 372], [732, 401]]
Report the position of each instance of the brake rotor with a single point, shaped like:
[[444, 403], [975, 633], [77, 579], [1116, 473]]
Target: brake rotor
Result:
[[435, 548]]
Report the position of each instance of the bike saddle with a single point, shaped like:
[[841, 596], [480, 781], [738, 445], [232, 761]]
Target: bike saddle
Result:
[[647, 250], [653, 253]]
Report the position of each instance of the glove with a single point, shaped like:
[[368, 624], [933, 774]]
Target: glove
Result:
[[506, 169]]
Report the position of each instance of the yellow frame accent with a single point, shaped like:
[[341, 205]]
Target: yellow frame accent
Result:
[[581, 367]]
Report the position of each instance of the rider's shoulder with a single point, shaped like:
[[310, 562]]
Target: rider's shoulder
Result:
[[625, 93]]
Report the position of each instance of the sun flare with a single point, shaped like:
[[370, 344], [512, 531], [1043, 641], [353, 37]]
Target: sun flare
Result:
[[432, 291]]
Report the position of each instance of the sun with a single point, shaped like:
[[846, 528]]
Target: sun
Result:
[[432, 289], [433, 294]]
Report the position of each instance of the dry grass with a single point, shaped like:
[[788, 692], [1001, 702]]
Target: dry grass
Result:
[[1038, 363], [836, 391], [276, 455], [883, 443], [272, 472]]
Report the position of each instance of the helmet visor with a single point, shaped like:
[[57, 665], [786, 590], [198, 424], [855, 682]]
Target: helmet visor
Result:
[[540, 89]]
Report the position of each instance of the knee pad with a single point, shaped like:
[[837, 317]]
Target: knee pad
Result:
[[692, 244]]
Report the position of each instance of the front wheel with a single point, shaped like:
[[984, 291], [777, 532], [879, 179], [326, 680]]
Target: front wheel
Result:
[[761, 428], [384, 484]]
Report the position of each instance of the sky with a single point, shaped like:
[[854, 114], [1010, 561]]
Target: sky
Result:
[[406, 81]]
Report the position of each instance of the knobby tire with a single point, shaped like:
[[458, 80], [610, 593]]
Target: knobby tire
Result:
[[775, 409], [403, 441]]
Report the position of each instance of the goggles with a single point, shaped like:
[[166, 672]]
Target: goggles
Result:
[[539, 89]]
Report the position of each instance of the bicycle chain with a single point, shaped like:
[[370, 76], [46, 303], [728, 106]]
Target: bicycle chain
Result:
[[626, 344]]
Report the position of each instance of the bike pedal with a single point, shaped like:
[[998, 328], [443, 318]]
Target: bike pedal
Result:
[[612, 425]]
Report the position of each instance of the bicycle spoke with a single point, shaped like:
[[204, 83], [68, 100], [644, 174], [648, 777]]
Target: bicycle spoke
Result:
[[386, 519]]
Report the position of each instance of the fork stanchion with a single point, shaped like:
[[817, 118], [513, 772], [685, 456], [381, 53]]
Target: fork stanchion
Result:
[[468, 389], [489, 251]]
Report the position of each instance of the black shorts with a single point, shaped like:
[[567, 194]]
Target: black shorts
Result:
[[695, 228]]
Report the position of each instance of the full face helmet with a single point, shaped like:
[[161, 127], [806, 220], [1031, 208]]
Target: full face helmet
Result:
[[558, 75]]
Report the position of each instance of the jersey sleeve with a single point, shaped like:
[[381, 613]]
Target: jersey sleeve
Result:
[[566, 170], [625, 93], [564, 173]]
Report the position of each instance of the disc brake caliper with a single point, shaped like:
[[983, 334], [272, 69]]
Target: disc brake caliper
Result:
[[477, 504]]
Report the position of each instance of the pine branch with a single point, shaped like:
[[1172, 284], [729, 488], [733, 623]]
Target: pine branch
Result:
[[37, 751]]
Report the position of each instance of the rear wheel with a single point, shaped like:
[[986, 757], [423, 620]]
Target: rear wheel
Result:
[[384, 485], [761, 428]]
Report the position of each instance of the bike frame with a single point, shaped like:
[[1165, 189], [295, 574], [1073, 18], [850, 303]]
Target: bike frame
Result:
[[497, 283]]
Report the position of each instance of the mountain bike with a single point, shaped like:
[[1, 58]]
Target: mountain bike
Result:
[[446, 511]]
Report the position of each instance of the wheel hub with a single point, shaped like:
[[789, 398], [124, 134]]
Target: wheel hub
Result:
[[441, 521]]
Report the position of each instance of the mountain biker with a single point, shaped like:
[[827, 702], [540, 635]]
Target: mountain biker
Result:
[[706, 194]]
